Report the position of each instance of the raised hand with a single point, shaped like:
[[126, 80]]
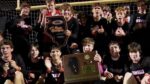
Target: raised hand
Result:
[[146, 79], [101, 29], [120, 32], [94, 30], [68, 33], [31, 75], [48, 63], [97, 57]]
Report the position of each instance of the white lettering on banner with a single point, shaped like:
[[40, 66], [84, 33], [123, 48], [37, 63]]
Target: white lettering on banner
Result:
[[138, 72]]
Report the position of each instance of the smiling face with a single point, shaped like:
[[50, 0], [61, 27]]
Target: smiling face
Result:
[[55, 53], [141, 7], [34, 52], [88, 44], [88, 48], [50, 5], [67, 11], [67, 14]]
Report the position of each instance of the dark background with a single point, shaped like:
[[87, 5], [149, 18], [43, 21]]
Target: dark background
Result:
[[7, 9]]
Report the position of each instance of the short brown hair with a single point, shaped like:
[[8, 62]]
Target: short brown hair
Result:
[[6, 42], [25, 4], [134, 47], [88, 40], [113, 42], [106, 8], [141, 3], [34, 45], [96, 4], [119, 9], [67, 6], [48, 1]]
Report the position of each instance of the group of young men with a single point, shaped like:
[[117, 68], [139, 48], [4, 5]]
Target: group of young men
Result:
[[119, 40]]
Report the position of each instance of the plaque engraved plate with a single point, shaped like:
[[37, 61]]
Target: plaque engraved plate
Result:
[[80, 67]]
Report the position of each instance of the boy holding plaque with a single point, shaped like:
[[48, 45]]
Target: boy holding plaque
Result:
[[88, 46]]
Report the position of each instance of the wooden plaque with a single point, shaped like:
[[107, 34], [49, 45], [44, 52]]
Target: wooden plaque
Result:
[[80, 68], [56, 26]]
